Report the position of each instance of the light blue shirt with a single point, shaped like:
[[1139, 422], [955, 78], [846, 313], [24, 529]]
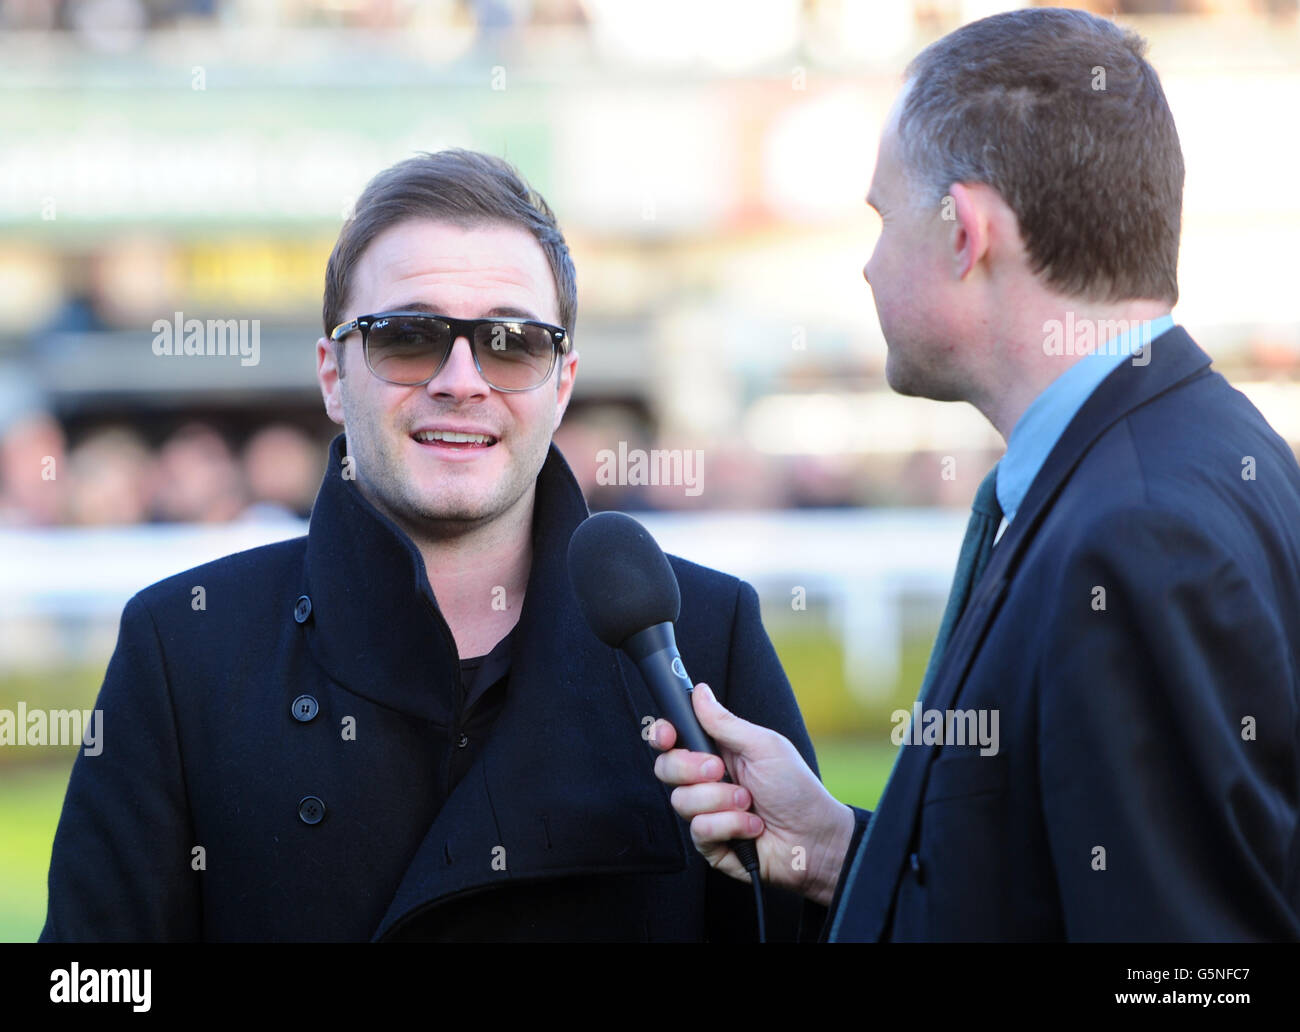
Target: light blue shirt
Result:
[[1042, 424]]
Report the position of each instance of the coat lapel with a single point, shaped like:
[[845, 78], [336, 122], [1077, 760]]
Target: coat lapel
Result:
[[565, 784], [868, 895]]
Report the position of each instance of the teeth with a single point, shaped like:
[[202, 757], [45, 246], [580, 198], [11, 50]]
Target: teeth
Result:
[[452, 437]]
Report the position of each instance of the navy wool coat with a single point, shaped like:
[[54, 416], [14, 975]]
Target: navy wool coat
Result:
[[216, 813]]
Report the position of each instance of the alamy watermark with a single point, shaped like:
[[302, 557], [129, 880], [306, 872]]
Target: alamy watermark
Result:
[[658, 467], [53, 727], [240, 338], [1098, 336], [102, 985], [946, 727]]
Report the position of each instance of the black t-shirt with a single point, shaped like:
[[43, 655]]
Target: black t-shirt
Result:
[[481, 673], [484, 682]]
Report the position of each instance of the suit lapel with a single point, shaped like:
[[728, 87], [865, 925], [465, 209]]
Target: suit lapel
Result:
[[868, 894]]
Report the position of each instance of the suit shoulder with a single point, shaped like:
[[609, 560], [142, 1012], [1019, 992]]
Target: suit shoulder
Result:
[[1201, 448]]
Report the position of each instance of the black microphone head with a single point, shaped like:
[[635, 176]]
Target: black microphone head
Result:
[[621, 576]]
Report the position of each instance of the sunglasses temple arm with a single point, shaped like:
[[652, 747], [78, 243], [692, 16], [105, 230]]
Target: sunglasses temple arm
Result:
[[343, 329]]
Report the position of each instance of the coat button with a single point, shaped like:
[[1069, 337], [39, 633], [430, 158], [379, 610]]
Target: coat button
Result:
[[914, 862], [311, 810], [302, 609], [462, 741], [304, 708]]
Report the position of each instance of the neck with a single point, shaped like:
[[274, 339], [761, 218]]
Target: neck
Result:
[[1020, 365], [480, 576]]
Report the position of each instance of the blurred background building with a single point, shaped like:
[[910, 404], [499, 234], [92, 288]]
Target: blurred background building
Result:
[[707, 160]]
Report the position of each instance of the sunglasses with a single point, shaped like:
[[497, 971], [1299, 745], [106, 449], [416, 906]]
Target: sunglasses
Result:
[[410, 348]]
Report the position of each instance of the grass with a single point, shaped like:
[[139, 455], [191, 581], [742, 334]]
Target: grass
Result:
[[30, 800], [855, 771]]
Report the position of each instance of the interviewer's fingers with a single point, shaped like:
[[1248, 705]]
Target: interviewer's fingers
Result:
[[723, 726], [691, 800], [681, 767], [711, 830], [663, 736]]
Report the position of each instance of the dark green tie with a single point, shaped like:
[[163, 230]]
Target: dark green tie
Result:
[[976, 547]]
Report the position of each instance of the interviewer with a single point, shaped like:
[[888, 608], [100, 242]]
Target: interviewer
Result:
[[1135, 628]]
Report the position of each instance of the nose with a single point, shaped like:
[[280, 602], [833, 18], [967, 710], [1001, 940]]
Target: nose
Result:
[[459, 378]]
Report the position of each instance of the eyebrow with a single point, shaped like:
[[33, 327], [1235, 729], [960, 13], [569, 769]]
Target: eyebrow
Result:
[[499, 312]]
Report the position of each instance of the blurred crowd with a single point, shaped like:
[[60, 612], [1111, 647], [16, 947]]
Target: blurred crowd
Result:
[[112, 476]]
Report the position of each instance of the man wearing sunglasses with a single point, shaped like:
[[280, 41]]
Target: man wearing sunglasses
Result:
[[400, 727]]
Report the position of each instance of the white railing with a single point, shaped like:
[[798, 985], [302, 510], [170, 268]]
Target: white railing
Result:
[[62, 589]]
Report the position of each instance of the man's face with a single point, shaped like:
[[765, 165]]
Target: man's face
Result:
[[435, 487], [910, 274]]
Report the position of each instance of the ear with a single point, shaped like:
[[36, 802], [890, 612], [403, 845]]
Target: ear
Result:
[[327, 375], [968, 218], [568, 372]]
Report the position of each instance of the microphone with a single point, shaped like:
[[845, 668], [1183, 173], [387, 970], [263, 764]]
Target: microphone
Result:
[[628, 593]]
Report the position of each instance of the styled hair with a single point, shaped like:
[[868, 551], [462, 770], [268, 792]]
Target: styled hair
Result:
[[462, 187], [1060, 113]]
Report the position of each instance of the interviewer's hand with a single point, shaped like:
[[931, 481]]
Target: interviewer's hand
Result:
[[802, 832]]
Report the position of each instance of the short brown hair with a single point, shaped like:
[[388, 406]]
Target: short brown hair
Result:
[[1060, 113], [462, 187]]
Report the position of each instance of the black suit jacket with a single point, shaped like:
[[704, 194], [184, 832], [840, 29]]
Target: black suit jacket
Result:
[[558, 831], [1147, 783]]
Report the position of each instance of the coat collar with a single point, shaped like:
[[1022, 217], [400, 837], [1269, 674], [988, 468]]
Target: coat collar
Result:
[[564, 784], [375, 624], [868, 894]]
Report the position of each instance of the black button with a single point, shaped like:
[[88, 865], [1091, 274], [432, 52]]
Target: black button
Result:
[[462, 741], [917, 869], [311, 810], [303, 609], [304, 708]]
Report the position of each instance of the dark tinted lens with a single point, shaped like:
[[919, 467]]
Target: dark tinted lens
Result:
[[405, 350], [514, 355]]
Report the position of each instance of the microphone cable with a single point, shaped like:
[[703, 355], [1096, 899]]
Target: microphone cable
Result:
[[747, 852]]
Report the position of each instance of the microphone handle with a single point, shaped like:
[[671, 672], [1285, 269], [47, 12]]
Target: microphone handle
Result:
[[655, 652]]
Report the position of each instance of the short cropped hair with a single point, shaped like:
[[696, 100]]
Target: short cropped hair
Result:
[[462, 187], [1060, 113]]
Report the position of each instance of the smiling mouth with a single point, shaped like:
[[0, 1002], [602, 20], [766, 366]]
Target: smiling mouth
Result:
[[454, 439]]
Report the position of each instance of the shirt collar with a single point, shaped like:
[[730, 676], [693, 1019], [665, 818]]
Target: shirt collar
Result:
[[1042, 424]]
